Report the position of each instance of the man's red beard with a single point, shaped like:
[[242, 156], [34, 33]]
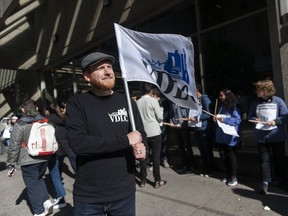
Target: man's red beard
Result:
[[105, 84]]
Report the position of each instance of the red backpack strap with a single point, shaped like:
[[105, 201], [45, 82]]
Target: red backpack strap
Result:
[[45, 120]]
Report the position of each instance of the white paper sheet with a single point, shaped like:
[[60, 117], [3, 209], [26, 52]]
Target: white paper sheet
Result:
[[228, 129]]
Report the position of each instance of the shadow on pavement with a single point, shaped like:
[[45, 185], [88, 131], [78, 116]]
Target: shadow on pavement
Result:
[[277, 203]]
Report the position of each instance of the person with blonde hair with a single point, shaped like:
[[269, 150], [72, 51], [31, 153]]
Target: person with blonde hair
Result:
[[269, 114]]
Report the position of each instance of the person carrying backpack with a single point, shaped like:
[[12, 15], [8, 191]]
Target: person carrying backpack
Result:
[[33, 167]]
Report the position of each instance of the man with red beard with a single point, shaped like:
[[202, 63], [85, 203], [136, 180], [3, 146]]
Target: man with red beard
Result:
[[100, 134]]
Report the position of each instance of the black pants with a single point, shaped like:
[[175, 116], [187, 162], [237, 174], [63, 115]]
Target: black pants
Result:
[[183, 138], [228, 157], [154, 143], [204, 142], [164, 143], [272, 160]]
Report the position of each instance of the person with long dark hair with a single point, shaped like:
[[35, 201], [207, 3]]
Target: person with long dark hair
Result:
[[229, 114], [56, 162]]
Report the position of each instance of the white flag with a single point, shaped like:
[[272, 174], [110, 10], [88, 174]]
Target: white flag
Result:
[[165, 60]]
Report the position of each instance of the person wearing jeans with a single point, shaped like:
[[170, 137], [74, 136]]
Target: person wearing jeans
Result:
[[269, 113], [35, 184], [33, 167], [106, 146], [53, 166], [115, 208]]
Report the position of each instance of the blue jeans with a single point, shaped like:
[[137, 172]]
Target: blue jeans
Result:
[[36, 188], [123, 207], [272, 160], [53, 166]]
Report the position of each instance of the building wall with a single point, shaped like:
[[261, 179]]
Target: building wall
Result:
[[67, 29]]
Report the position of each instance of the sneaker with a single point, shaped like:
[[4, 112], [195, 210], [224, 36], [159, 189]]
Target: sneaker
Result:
[[61, 203], [233, 182], [165, 164], [150, 168], [185, 170], [48, 207], [159, 183], [142, 183], [204, 175], [224, 180], [263, 189], [57, 200]]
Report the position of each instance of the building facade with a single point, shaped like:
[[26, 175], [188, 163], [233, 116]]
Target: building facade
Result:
[[235, 43]]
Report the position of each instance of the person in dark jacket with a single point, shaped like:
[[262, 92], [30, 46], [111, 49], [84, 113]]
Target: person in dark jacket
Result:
[[201, 123], [165, 106], [56, 162], [100, 134], [179, 122], [33, 167], [57, 111], [269, 113]]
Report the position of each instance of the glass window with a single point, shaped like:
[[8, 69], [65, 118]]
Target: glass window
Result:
[[177, 21], [218, 11], [237, 55]]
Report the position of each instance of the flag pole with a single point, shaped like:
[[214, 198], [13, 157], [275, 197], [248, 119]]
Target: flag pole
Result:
[[215, 108], [130, 110]]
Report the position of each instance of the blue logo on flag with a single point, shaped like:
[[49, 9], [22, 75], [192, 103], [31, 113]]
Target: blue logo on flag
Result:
[[175, 65]]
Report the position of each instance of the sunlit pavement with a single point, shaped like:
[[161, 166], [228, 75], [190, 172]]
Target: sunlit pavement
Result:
[[183, 195]]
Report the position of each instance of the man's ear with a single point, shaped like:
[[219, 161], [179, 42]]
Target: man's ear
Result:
[[86, 75]]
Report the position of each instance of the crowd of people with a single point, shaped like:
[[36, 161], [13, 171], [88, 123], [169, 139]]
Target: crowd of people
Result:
[[6, 130], [104, 141]]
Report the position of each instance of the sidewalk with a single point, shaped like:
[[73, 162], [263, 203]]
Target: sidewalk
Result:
[[184, 195]]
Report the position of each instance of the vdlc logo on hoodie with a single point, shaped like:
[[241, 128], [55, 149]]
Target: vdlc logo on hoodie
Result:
[[119, 116]]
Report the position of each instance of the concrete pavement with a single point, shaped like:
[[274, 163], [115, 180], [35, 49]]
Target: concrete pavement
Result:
[[184, 195]]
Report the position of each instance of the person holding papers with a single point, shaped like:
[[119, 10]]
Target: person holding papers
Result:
[[179, 119], [201, 122], [228, 120], [269, 114]]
